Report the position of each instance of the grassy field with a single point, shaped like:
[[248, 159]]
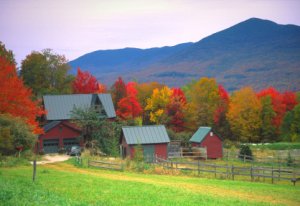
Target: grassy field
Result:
[[277, 146], [65, 184]]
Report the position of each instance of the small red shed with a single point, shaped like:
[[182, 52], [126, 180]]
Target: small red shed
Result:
[[205, 137], [153, 139], [58, 135]]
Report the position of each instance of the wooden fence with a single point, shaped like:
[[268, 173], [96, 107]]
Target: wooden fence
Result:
[[272, 160], [105, 165], [194, 152], [232, 171]]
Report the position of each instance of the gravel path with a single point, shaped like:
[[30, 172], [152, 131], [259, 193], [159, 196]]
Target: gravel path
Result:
[[52, 159]]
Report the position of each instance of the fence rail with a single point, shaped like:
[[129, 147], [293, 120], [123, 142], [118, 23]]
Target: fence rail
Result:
[[232, 171], [105, 165]]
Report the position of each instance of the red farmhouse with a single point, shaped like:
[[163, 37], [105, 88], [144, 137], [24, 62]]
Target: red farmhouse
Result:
[[59, 131], [153, 139], [204, 137]]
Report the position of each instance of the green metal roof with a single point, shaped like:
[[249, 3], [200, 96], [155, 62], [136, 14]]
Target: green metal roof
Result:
[[145, 134], [200, 134], [59, 107]]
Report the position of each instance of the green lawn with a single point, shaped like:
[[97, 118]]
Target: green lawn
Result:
[[277, 146], [64, 184]]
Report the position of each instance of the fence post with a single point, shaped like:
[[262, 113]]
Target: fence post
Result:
[[88, 163], [272, 175], [251, 173], [232, 172], [198, 167], [227, 156], [34, 170], [215, 170], [227, 171], [279, 172]]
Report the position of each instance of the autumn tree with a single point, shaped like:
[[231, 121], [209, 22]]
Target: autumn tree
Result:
[[46, 73], [157, 105], [129, 107], [268, 130], [176, 109], [85, 83], [291, 125], [281, 103], [15, 98], [290, 100], [221, 125], [118, 91], [205, 100], [244, 115], [144, 92], [7, 54]]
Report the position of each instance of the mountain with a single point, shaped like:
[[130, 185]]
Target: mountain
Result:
[[256, 52]]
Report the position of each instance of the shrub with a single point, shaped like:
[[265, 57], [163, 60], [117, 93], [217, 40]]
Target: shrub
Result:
[[139, 158], [289, 160], [245, 152], [14, 132]]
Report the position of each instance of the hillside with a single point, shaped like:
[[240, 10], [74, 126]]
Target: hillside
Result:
[[255, 52]]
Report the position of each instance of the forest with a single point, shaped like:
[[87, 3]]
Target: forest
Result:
[[244, 115]]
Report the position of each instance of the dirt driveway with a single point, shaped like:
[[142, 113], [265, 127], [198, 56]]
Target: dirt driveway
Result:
[[53, 158]]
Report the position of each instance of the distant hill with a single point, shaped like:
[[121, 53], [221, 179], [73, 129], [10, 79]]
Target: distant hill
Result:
[[256, 52]]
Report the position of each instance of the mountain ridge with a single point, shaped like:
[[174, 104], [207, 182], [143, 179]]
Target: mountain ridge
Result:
[[254, 52]]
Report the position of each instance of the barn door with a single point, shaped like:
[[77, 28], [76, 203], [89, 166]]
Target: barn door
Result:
[[68, 143], [50, 145], [149, 152]]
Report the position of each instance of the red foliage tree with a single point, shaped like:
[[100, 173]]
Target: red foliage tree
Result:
[[118, 90], [16, 99], [279, 106], [223, 105], [290, 100], [129, 107], [175, 110], [85, 83]]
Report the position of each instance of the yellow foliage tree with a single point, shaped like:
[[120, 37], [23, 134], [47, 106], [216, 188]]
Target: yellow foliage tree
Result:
[[204, 96], [157, 104], [244, 115]]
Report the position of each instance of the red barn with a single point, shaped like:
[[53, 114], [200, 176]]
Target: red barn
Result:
[[153, 139], [205, 137], [60, 133]]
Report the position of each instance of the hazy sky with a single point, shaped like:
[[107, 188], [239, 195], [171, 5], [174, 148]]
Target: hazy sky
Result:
[[73, 27]]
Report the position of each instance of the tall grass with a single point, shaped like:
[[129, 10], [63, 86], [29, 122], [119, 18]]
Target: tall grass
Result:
[[62, 184]]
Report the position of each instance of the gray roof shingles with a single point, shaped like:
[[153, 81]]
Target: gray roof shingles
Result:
[[145, 134], [107, 104], [50, 125], [59, 107]]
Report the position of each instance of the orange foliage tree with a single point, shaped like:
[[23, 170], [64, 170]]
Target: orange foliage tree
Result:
[[16, 99], [85, 83]]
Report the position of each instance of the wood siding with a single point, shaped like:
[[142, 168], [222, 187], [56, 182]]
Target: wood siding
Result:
[[161, 150], [213, 146], [61, 131]]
